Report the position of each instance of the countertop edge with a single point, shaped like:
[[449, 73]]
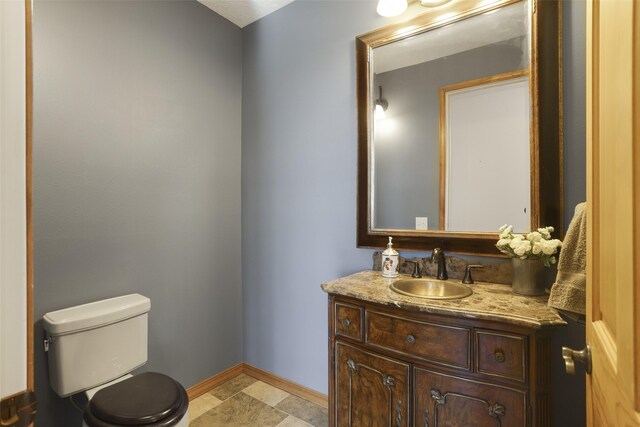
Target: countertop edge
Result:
[[424, 307]]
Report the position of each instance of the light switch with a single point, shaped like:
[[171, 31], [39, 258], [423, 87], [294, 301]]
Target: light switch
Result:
[[422, 223]]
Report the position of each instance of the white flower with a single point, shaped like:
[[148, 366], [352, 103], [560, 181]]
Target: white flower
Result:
[[546, 232], [533, 245], [549, 247], [534, 236], [504, 242], [516, 241], [505, 231], [537, 248], [522, 248]]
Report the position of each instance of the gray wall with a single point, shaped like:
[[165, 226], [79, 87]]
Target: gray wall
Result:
[[299, 179], [137, 176], [407, 154]]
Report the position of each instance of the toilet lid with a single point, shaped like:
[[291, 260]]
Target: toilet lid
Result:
[[143, 399]]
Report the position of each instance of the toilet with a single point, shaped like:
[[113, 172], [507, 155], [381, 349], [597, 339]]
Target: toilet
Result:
[[92, 348]]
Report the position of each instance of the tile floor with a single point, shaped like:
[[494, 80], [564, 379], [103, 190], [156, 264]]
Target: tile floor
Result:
[[247, 402]]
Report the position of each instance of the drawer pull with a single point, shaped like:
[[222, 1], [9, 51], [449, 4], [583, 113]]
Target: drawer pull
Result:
[[346, 322], [411, 339], [499, 356]]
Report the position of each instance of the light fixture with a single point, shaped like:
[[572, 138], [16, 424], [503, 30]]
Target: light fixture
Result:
[[433, 3], [388, 8], [381, 106]]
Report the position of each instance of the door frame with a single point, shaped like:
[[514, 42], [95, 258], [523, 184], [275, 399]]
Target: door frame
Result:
[[29, 189]]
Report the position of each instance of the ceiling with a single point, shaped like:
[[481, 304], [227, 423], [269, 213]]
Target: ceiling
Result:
[[244, 12]]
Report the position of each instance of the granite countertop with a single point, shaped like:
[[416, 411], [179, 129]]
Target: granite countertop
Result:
[[489, 301]]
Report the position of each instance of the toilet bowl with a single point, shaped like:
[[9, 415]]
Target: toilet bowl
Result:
[[111, 335]]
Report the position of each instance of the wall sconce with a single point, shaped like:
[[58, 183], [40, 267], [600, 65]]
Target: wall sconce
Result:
[[381, 106], [389, 8]]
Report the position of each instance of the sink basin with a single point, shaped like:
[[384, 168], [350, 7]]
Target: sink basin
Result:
[[431, 288]]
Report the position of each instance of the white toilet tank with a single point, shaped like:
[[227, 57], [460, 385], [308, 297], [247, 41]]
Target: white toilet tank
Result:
[[94, 343]]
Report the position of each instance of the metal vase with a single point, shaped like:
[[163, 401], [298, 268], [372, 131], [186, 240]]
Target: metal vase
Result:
[[528, 277]]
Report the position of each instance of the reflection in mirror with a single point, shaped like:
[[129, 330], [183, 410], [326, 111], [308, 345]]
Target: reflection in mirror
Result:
[[472, 91], [455, 129], [484, 153]]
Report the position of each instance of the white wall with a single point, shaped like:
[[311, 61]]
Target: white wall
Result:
[[13, 249]]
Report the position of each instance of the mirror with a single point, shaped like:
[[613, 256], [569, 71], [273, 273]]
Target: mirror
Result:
[[451, 140]]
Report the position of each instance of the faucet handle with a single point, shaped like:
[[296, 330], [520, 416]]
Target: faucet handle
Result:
[[416, 269], [435, 253], [467, 274]]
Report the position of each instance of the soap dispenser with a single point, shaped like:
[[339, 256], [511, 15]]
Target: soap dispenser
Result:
[[390, 261]]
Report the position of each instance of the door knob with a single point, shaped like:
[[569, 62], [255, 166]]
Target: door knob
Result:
[[571, 356]]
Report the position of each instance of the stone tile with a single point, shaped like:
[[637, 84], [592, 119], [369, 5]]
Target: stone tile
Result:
[[292, 421], [202, 404], [233, 386], [307, 411], [266, 393], [241, 410]]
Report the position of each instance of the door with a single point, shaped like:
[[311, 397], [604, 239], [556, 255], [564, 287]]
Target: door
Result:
[[613, 197], [371, 390], [16, 352], [446, 401]]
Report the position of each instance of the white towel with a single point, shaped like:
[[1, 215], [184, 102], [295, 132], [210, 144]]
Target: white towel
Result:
[[568, 293]]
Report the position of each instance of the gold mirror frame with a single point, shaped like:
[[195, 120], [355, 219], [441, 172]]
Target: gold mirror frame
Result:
[[545, 87]]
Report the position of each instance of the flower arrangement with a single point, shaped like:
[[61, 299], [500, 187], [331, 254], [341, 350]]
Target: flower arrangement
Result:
[[535, 245]]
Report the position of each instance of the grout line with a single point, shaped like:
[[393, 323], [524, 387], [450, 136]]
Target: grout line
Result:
[[302, 421], [271, 406]]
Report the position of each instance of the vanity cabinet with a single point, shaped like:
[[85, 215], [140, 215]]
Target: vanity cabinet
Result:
[[396, 367]]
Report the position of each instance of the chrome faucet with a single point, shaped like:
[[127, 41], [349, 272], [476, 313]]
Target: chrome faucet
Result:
[[438, 254]]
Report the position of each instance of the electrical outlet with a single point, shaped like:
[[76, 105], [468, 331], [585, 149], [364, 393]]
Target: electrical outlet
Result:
[[422, 223]]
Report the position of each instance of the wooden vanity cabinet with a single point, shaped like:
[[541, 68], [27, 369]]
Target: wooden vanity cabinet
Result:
[[401, 368]]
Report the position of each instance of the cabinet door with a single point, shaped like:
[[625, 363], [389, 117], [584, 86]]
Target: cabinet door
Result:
[[446, 401], [371, 390]]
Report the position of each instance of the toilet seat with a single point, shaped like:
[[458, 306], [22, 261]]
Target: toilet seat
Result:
[[150, 399]]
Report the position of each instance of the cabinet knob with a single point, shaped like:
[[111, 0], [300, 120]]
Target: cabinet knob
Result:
[[411, 339], [499, 356], [346, 322]]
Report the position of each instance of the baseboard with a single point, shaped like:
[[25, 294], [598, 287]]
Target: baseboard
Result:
[[266, 377], [210, 383], [286, 385]]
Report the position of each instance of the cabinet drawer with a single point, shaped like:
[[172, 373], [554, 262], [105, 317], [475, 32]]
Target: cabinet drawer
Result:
[[349, 321], [441, 344], [501, 355]]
